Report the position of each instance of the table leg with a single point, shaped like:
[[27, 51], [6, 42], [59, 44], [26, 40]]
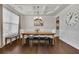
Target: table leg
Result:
[[53, 40], [22, 39]]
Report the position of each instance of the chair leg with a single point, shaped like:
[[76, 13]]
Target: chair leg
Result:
[[10, 40], [31, 43], [5, 41], [50, 42]]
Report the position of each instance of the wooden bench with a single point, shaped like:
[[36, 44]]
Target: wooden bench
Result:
[[39, 39], [11, 37]]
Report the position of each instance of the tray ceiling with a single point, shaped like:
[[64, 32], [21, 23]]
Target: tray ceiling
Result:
[[38, 9]]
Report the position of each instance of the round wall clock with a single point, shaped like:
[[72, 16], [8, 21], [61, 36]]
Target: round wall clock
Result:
[[72, 17]]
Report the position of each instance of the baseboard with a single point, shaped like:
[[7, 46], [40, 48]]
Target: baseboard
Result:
[[70, 45]]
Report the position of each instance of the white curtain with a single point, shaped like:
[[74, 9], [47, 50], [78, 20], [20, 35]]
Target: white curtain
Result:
[[10, 22]]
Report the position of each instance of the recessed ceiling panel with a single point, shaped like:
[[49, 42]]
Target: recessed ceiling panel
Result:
[[38, 9]]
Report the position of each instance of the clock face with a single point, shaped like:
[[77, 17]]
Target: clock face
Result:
[[72, 18]]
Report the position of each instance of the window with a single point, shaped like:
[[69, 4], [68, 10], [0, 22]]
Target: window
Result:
[[10, 22]]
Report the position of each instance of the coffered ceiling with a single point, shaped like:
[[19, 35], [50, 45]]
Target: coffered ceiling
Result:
[[37, 9]]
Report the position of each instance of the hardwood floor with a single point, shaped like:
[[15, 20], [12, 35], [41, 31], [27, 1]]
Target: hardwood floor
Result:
[[59, 48]]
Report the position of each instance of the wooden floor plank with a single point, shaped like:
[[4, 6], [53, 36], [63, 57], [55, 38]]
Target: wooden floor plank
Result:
[[59, 48]]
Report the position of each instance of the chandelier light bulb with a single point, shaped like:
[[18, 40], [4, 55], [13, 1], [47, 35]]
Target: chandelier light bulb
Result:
[[40, 18]]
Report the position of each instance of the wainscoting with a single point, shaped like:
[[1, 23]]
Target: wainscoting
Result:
[[60, 47]]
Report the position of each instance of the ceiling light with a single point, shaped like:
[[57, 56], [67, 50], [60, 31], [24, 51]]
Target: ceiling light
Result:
[[40, 17], [56, 8], [35, 17], [49, 12], [53, 10]]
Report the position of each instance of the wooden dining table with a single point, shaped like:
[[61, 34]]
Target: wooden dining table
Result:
[[37, 33]]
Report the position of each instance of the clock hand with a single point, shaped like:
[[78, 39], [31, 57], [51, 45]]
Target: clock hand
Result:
[[70, 17]]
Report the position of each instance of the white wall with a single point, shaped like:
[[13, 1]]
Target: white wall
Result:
[[28, 25], [0, 25], [69, 34]]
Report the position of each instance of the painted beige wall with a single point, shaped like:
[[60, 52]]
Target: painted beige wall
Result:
[[28, 25]]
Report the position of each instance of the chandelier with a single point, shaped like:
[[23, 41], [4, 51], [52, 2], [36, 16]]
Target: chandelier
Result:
[[38, 21]]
